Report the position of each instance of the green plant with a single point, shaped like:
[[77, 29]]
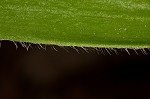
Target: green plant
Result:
[[91, 23]]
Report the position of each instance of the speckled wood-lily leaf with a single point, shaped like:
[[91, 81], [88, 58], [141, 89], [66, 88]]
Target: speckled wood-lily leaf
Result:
[[92, 23]]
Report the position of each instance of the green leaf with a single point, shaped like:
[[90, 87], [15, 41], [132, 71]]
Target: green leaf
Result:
[[91, 23]]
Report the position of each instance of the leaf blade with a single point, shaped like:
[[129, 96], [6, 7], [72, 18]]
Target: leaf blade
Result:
[[92, 23]]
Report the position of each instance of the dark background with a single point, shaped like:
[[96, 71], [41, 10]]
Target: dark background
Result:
[[53, 72]]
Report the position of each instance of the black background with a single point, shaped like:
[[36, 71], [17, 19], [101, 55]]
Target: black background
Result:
[[73, 73]]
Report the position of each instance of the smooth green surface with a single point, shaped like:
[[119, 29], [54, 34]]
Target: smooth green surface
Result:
[[92, 23]]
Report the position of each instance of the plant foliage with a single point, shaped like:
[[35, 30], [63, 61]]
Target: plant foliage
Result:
[[92, 23]]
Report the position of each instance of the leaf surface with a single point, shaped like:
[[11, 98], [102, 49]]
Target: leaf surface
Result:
[[91, 23]]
